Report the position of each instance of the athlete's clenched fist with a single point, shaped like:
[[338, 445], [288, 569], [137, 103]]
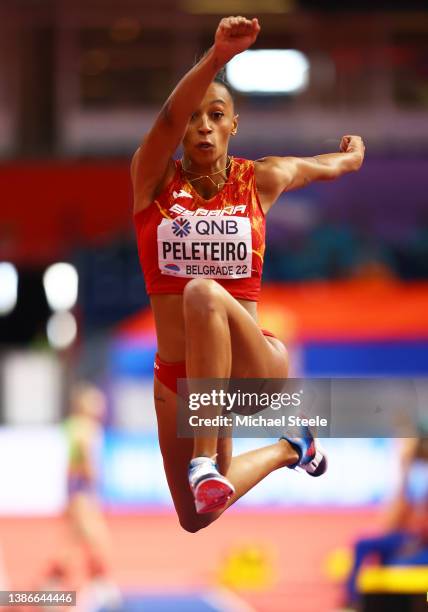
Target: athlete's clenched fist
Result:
[[234, 35]]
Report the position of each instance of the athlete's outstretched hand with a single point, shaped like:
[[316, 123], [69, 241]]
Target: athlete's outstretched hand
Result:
[[354, 145], [234, 35]]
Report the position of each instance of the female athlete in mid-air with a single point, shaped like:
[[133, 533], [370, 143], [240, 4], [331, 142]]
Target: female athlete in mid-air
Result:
[[203, 287]]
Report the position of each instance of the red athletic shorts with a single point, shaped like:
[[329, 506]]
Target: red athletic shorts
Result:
[[168, 373]]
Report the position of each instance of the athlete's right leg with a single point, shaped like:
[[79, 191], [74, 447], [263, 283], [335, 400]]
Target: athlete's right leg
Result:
[[244, 471]]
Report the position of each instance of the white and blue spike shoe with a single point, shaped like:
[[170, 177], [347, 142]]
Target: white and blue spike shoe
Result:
[[210, 489], [312, 457]]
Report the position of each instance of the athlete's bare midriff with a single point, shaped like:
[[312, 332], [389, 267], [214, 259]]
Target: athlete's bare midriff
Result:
[[169, 321]]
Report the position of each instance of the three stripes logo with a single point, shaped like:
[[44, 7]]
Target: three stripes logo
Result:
[[181, 227]]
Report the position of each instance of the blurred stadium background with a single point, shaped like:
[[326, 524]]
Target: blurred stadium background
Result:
[[346, 280]]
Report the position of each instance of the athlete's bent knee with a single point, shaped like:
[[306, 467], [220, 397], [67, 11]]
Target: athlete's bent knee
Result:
[[199, 289], [192, 525], [201, 295]]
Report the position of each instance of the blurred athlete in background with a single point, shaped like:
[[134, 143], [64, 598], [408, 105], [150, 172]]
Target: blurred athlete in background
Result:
[[86, 526]]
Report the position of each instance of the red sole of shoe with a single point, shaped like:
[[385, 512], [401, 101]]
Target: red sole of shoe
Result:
[[211, 495]]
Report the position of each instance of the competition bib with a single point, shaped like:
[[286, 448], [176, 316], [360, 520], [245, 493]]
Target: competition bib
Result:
[[207, 247]]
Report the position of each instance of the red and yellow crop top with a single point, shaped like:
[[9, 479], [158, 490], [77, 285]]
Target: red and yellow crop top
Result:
[[182, 236]]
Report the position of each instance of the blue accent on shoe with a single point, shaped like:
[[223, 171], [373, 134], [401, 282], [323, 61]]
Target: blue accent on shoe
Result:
[[312, 458], [202, 468], [301, 445]]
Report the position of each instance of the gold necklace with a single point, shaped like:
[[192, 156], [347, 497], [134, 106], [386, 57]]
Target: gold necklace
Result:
[[208, 176]]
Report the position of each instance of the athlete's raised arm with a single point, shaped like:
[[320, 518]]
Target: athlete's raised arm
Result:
[[152, 163], [277, 174]]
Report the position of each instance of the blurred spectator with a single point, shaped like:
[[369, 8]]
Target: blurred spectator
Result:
[[405, 541]]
